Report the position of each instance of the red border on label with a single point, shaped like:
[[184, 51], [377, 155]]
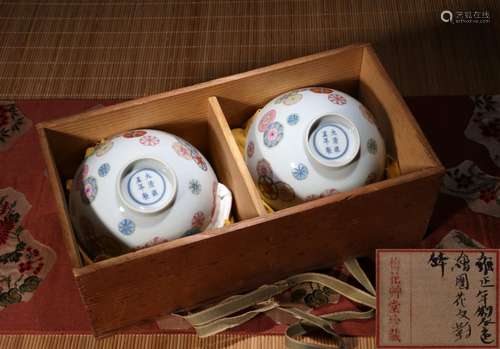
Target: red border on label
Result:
[[377, 322]]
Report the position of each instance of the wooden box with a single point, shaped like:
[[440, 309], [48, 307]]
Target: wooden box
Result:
[[259, 248]]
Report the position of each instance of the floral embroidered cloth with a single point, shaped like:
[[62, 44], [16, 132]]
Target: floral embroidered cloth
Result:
[[463, 131]]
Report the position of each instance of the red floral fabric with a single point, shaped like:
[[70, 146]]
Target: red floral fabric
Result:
[[56, 306]]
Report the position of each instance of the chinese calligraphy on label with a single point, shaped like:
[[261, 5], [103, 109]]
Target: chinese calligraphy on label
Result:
[[429, 298]]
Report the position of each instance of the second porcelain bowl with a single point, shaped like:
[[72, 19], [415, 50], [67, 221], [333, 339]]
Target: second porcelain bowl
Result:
[[313, 142]]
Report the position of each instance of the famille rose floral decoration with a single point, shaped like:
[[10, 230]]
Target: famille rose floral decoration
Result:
[[143, 187], [24, 262], [481, 191], [13, 124], [313, 142], [484, 125]]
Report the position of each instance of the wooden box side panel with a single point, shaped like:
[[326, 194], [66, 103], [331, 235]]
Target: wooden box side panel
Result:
[[62, 210], [379, 94], [189, 271], [186, 105], [230, 165]]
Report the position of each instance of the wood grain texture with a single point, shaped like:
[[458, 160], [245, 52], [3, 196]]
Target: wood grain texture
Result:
[[62, 209], [162, 341], [231, 166], [201, 268], [119, 49], [406, 141], [185, 107]]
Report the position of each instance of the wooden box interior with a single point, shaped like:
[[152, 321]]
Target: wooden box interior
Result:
[[197, 269]]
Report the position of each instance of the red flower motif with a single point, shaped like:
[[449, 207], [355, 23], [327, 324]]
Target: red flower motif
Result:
[[198, 219], [337, 99], [25, 266], [264, 169], [4, 207], [85, 170], [149, 140], [6, 226], [134, 134], [272, 134], [267, 119], [250, 149], [198, 159]]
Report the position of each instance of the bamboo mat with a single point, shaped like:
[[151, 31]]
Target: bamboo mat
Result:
[[122, 49], [163, 341]]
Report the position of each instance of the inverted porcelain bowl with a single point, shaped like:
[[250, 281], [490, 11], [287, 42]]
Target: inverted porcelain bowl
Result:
[[143, 187], [310, 143]]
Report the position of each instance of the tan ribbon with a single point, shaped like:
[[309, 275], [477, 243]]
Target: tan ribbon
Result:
[[219, 317]]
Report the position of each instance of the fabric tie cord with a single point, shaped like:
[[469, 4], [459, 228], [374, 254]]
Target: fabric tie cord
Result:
[[227, 314]]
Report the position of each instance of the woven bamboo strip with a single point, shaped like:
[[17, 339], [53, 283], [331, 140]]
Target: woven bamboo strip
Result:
[[115, 49], [157, 341]]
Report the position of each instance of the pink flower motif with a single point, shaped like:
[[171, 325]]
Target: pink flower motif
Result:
[[134, 134], [149, 140], [85, 170], [337, 99], [250, 149], [272, 134], [181, 150], [266, 120], [198, 219], [198, 159]]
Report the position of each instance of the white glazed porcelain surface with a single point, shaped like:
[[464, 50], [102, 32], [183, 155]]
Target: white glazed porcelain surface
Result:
[[143, 187], [313, 142]]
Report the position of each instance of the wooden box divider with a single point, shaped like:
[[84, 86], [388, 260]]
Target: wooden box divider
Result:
[[230, 165], [259, 247]]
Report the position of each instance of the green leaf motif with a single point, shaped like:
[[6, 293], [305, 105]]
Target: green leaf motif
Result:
[[10, 257], [298, 294], [12, 296], [316, 299], [30, 284]]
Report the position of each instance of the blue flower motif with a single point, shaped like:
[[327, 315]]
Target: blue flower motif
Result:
[[292, 119], [195, 186], [126, 226], [103, 169], [299, 171]]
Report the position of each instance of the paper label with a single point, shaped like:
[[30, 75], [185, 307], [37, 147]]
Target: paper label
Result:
[[437, 298]]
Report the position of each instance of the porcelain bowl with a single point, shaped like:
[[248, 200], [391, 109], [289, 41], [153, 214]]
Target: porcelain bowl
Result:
[[313, 142], [143, 187]]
